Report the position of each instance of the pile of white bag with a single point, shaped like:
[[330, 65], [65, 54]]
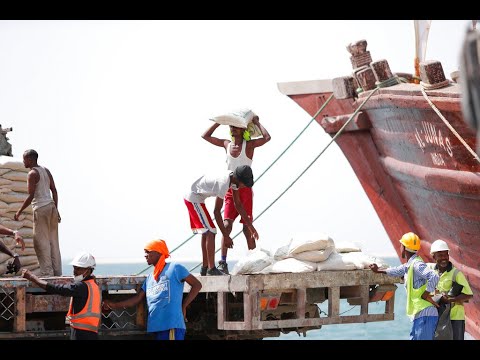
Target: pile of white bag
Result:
[[307, 252], [241, 118], [13, 191]]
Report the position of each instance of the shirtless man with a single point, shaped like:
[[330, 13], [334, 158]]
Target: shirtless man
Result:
[[239, 152]]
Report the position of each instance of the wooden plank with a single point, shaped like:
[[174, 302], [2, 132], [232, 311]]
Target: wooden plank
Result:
[[292, 323], [301, 303], [19, 322], [390, 305], [316, 279], [232, 283], [364, 294], [234, 325], [333, 301], [229, 283], [319, 279], [247, 310], [255, 285], [221, 309], [65, 334], [140, 318]]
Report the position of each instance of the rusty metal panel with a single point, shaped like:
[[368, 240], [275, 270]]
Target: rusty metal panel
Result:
[[46, 303]]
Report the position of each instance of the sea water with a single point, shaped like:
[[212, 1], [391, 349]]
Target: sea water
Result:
[[397, 329]]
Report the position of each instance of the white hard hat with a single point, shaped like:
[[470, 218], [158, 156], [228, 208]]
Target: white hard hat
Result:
[[439, 245], [84, 260]]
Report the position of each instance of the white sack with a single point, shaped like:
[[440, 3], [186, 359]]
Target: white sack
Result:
[[15, 176], [13, 197], [309, 241], [20, 186], [239, 118], [281, 253], [336, 262], [7, 182], [347, 246], [256, 260], [290, 265], [11, 163], [315, 255], [362, 260]]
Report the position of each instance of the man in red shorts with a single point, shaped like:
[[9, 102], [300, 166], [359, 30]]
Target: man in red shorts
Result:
[[239, 152], [200, 221]]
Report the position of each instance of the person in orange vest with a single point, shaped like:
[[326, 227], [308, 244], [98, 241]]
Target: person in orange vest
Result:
[[163, 290], [86, 303]]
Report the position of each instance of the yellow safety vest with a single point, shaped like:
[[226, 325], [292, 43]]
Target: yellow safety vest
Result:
[[415, 303], [457, 311]]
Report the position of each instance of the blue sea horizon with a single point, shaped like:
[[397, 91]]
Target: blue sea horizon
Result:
[[397, 329]]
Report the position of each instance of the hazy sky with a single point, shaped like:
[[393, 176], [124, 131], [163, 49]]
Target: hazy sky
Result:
[[116, 109]]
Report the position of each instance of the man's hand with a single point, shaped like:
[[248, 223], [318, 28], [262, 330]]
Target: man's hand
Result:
[[19, 239], [108, 305], [228, 242], [17, 215], [184, 311], [253, 233], [27, 274], [373, 267], [16, 264], [428, 297], [448, 299], [255, 120]]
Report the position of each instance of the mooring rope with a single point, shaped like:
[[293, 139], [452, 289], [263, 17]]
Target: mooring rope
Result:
[[263, 173], [459, 137], [308, 167]]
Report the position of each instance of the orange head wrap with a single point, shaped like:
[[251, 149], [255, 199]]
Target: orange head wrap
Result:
[[161, 247]]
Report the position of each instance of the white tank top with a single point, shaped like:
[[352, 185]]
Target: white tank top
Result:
[[242, 159], [42, 194]]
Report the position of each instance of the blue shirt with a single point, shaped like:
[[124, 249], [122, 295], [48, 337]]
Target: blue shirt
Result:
[[164, 298], [421, 274]]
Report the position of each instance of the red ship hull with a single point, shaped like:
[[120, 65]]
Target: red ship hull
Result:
[[417, 174]]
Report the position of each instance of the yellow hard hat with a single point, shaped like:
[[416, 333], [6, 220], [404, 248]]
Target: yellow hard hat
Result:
[[411, 241]]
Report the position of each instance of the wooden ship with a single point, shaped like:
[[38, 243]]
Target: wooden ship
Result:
[[412, 151]]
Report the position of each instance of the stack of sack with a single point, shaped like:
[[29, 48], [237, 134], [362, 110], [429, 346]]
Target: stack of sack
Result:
[[307, 252], [241, 118], [13, 191]]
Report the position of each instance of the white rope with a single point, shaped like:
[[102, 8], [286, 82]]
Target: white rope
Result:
[[474, 154], [439, 85]]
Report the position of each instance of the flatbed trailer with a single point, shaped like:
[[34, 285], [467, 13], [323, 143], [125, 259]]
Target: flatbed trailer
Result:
[[228, 307]]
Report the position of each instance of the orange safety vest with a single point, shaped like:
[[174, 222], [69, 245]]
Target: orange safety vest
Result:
[[89, 317]]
